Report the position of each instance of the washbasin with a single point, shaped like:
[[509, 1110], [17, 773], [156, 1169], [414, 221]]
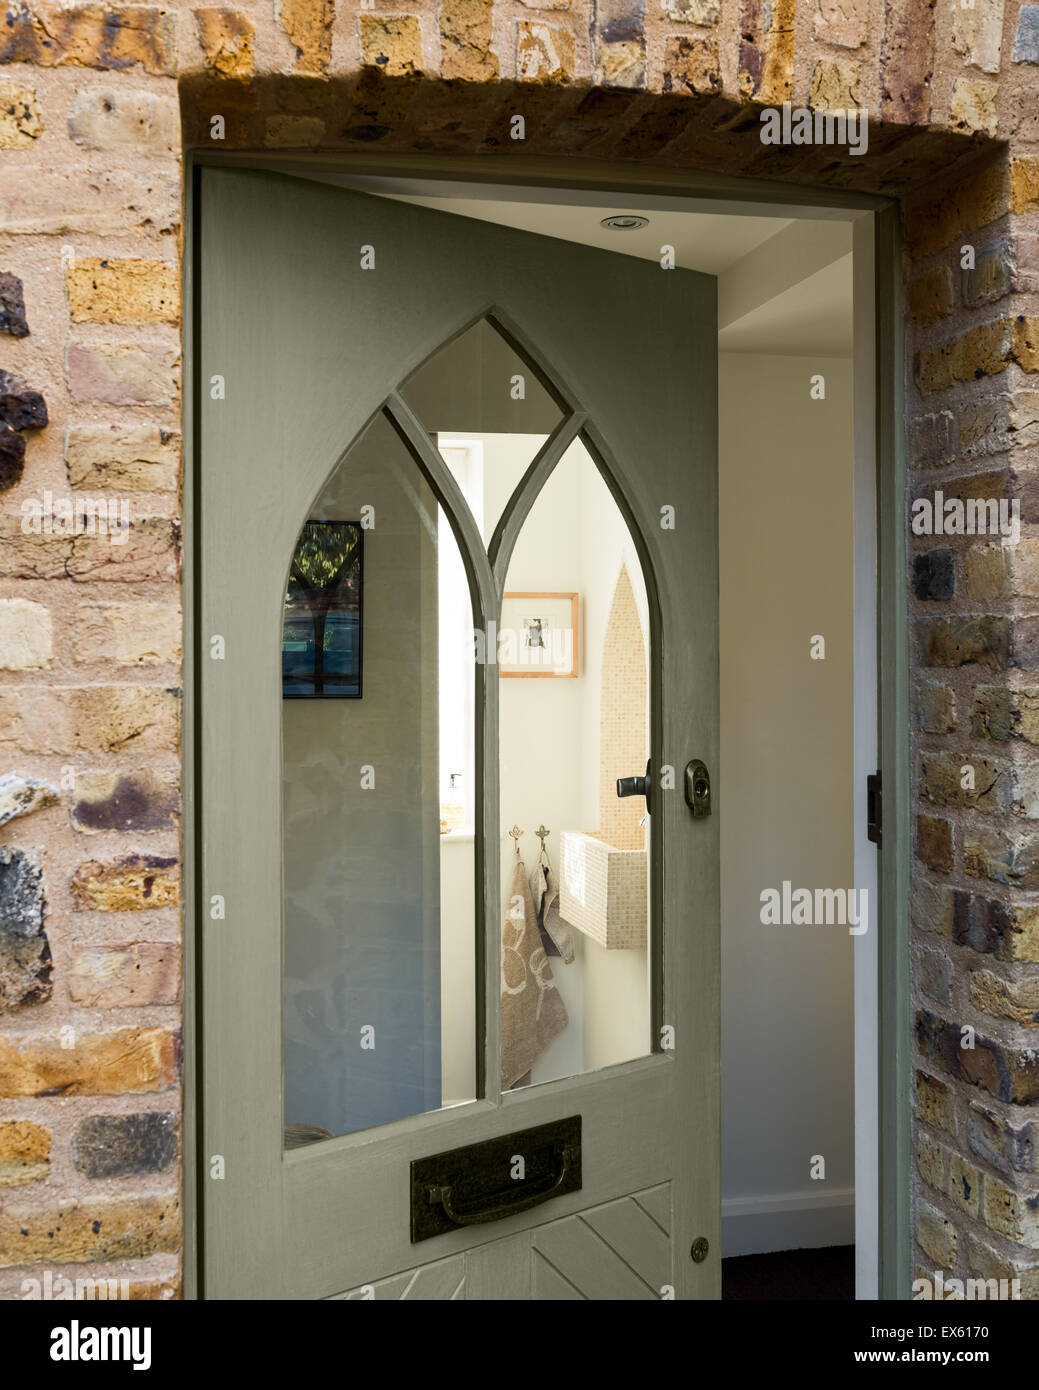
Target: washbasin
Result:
[[602, 890]]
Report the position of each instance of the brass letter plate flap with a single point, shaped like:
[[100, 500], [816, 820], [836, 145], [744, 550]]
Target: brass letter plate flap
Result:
[[494, 1179]]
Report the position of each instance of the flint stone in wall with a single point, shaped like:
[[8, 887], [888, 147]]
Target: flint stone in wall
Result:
[[12, 457], [25, 958], [12, 306], [20, 406], [19, 795], [119, 1146]]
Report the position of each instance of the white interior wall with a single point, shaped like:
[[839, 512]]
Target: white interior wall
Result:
[[786, 798]]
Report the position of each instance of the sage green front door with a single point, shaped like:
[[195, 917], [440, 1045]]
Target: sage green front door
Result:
[[457, 565]]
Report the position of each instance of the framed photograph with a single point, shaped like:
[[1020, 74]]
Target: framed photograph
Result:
[[322, 631], [538, 636]]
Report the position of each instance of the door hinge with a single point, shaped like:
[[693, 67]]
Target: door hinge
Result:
[[874, 808]]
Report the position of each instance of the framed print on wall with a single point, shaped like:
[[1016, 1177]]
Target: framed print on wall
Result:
[[321, 635], [538, 636]]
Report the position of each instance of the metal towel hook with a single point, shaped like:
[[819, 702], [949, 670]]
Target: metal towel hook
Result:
[[541, 833], [517, 834]]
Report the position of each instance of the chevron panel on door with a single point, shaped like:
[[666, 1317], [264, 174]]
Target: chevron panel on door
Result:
[[621, 1250], [618, 1251]]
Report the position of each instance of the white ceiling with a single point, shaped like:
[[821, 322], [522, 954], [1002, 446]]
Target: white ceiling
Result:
[[813, 315], [702, 241]]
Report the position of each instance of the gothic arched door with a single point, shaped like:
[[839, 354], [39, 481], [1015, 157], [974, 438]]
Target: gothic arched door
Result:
[[458, 577]]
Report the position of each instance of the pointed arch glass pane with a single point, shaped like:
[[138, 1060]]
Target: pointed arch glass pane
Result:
[[575, 668], [378, 768], [488, 410]]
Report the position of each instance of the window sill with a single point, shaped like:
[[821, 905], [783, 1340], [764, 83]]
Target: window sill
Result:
[[466, 834]]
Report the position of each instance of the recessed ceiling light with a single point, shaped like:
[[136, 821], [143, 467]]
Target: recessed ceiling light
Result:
[[624, 221]]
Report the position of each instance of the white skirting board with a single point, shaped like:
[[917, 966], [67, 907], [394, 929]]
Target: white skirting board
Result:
[[789, 1221]]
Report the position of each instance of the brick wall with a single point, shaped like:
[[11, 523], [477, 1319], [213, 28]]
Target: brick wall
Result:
[[90, 647], [974, 428], [96, 103]]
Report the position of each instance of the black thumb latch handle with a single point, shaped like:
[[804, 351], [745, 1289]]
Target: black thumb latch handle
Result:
[[637, 786]]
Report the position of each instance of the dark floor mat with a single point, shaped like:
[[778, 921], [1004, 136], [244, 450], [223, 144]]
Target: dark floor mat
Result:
[[828, 1273]]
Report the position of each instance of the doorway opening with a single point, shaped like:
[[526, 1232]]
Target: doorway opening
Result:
[[791, 685]]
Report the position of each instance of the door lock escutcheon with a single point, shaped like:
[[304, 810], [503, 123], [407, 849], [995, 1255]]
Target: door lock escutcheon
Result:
[[698, 788]]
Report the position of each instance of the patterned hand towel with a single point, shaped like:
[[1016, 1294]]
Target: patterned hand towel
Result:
[[532, 1013]]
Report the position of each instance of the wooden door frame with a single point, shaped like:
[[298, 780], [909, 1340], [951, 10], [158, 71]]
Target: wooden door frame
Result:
[[878, 230]]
